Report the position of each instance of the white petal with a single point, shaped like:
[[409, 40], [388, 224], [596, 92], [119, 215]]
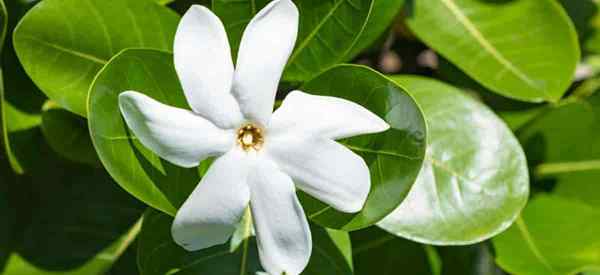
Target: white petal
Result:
[[324, 116], [265, 48], [324, 169], [174, 134], [283, 235], [211, 213], [203, 63]]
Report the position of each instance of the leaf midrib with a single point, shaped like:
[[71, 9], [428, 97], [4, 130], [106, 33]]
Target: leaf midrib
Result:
[[380, 152], [314, 32], [531, 244], [480, 38], [73, 52]]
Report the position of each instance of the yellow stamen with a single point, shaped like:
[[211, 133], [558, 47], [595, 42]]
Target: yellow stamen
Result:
[[250, 137]]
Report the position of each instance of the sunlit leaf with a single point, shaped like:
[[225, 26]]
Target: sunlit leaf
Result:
[[474, 181], [563, 145], [554, 236], [62, 44], [138, 170], [535, 63]]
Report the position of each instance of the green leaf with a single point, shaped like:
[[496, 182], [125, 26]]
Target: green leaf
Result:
[[474, 180], [68, 135], [534, 64], [164, 2], [566, 152], [328, 30], [378, 252], [158, 254], [80, 211], [394, 157], [71, 218], [381, 17], [553, 236], [20, 101], [62, 44], [138, 170]]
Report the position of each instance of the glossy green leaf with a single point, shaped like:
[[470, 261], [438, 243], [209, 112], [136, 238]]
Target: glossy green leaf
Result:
[[62, 44], [378, 252], [68, 135], [474, 181], [381, 17], [21, 101], [328, 30], [138, 170], [554, 236], [158, 254], [394, 157], [535, 64], [566, 152]]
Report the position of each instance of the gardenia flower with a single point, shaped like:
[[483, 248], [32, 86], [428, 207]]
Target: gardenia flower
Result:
[[260, 155]]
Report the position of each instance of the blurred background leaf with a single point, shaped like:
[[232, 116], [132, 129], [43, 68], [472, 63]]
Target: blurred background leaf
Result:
[[553, 236], [20, 99]]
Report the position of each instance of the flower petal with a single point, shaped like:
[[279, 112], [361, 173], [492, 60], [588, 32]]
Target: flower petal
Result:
[[174, 134], [283, 235], [304, 113], [324, 169], [203, 63], [211, 213], [265, 48]]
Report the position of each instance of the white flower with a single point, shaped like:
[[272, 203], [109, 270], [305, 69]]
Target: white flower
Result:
[[260, 154]]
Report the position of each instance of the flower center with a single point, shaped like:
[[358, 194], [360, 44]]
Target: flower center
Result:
[[250, 137]]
